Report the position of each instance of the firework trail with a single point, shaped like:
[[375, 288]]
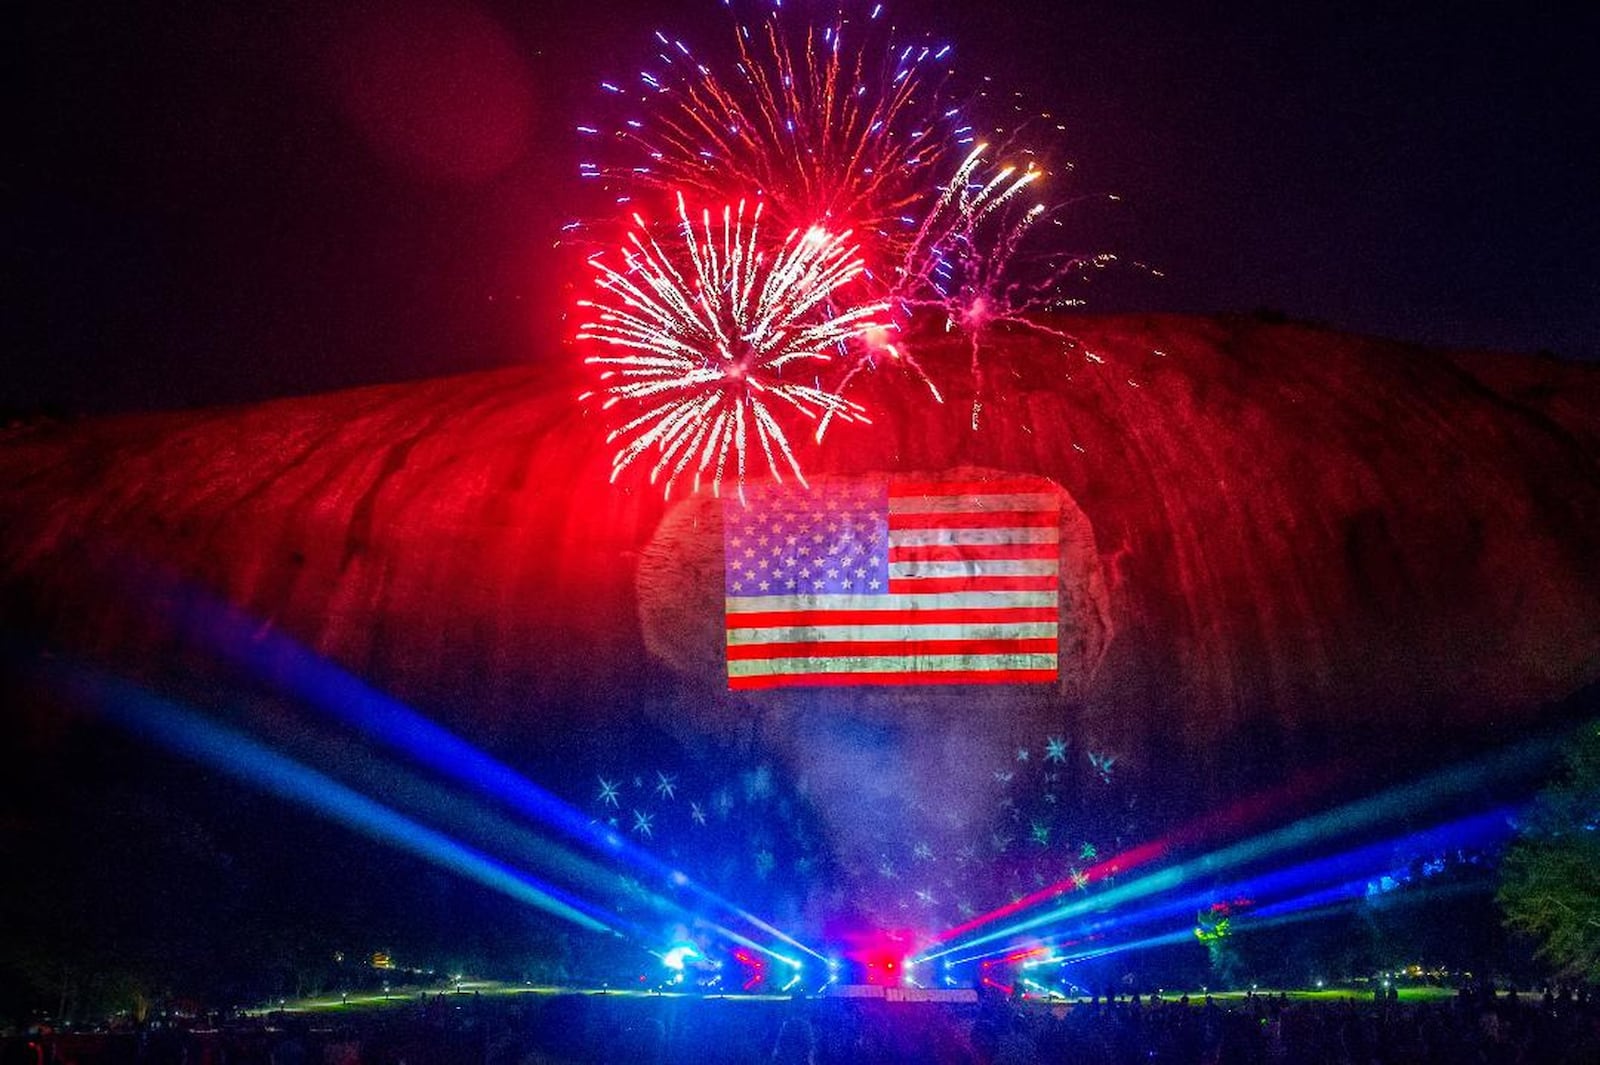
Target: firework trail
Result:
[[711, 333], [958, 246]]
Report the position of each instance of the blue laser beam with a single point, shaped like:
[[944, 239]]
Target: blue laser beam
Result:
[[1369, 861], [387, 721], [165, 722], [466, 819], [1392, 804], [294, 671]]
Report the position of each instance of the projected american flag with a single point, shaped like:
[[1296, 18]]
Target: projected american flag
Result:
[[893, 582]]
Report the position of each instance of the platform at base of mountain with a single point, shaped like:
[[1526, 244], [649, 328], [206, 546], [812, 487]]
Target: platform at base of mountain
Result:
[[904, 994]]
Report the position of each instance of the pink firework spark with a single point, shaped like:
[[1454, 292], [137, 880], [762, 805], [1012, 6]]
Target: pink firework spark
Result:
[[958, 259], [705, 338], [975, 260], [976, 255]]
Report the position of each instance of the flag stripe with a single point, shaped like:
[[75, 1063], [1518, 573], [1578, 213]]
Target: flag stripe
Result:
[[762, 604], [956, 552], [996, 519], [914, 633], [973, 584], [819, 649], [918, 537], [828, 680], [994, 567], [1022, 486], [886, 663], [1015, 502]]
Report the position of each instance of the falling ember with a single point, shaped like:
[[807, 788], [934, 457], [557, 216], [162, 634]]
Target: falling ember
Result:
[[704, 339]]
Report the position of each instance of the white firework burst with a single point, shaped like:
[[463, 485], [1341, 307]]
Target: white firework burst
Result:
[[719, 336]]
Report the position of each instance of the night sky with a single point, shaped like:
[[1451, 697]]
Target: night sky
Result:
[[219, 203]]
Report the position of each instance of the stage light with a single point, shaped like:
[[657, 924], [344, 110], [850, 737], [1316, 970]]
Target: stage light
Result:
[[677, 956]]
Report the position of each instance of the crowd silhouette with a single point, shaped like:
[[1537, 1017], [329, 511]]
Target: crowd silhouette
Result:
[[1477, 1026]]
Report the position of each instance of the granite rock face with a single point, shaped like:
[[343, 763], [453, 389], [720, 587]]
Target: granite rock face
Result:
[[1264, 523]]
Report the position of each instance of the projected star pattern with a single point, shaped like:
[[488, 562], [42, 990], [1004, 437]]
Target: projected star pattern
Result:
[[1052, 809]]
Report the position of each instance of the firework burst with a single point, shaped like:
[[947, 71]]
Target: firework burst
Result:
[[978, 256], [839, 126], [977, 260], [961, 260], [708, 335], [827, 132]]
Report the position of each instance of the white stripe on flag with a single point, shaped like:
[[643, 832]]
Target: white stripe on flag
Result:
[[754, 667], [986, 567], [965, 504], [924, 537]]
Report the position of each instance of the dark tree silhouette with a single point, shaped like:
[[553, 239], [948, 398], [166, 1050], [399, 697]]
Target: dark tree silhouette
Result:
[[1550, 882]]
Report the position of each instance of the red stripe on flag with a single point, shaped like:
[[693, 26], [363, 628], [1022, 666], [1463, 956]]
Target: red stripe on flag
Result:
[[969, 552], [977, 519], [904, 489], [776, 619], [914, 585], [1030, 645], [811, 680]]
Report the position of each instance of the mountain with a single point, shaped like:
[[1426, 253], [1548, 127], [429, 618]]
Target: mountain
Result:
[[1266, 526]]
